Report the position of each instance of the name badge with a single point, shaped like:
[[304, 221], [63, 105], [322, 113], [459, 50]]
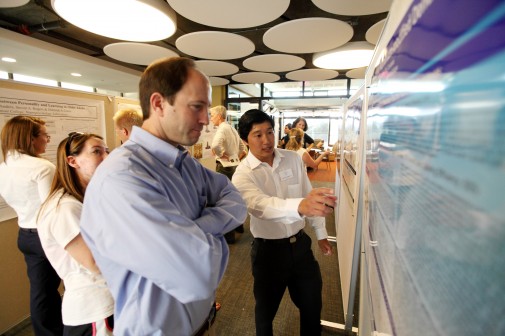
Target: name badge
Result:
[[286, 174]]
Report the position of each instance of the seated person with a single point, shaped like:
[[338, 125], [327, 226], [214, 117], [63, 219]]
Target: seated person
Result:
[[295, 144]]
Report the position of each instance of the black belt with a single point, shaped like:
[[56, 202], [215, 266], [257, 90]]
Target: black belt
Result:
[[289, 240], [28, 230], [208, 322]]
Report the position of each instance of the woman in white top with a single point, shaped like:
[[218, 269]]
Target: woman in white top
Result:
[[24, 185], [295, 143], [88, 306]]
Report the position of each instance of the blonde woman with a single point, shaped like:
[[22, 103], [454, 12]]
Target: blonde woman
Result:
[[295, 143], [25, 180], [88, 306]]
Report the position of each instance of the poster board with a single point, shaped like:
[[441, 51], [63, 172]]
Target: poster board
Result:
[[350, 167], [63, 114], [434, 214]]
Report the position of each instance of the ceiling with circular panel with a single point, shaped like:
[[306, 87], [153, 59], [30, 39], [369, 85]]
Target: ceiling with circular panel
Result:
[[278, 37]]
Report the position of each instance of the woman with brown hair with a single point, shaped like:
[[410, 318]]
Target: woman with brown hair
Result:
[[295, 143], [25, 183], [88, 306]]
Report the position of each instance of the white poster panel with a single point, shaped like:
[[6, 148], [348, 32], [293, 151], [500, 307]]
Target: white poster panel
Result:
[[63, 114], [435, 233]]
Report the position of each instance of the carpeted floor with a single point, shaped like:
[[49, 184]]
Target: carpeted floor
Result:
[[235, 292]]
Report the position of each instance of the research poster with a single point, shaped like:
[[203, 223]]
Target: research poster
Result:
[[434, 236], [352, 142], [351, 163], [63, 114]]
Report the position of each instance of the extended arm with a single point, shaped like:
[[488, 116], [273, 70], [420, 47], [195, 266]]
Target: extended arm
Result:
[[310, 162]]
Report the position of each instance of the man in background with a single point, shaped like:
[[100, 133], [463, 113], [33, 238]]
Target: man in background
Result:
[[229, 150], [154, 217], [124, 120], [279, 197]]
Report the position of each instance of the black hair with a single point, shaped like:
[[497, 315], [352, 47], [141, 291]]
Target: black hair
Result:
[[249, 118]]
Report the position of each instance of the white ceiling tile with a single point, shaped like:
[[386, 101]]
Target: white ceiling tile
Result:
[[216, 68], [373, 33], [230, 14], [311, 74], [215, 45], [354, 7], [308, 35], [356, 73], [274, 63], [218, 81], [255, 77], [13, 3], [137, 53]]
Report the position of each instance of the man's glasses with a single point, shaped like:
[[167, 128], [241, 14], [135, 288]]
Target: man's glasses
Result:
[[71, 137]]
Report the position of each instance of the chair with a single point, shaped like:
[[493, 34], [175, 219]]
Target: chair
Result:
[[328, 159], [316, 141]]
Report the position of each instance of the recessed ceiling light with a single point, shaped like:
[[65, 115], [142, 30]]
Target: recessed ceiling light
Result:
[[349, 56], [76, 74], [9, 59], [132, 20]]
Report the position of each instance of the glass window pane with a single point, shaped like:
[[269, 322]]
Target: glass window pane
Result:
[[337, 87], [284, 89], [243, 90], [318, 129]]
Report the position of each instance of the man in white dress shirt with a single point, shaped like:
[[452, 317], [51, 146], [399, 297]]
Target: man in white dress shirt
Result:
[[279, 196]]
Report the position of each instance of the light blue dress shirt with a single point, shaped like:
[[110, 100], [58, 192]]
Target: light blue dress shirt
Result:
[[156, 233]]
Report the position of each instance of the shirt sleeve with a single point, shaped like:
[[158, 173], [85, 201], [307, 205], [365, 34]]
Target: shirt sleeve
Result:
[[318, 223], [308, 139], [145, 233], [264, 205], [65, 227], [225, 208], [44, 178], [217, 142]]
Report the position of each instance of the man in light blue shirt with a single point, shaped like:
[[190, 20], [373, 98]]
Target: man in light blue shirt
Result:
[[154, 218]]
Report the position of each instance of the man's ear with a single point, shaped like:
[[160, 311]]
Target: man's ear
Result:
[[157, 103], [72, 162]]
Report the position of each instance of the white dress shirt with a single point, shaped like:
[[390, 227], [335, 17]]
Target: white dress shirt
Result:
[[25, 182], [273, 194], [226, 140]]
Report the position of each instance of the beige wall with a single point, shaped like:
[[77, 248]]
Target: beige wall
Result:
[[14, 286]]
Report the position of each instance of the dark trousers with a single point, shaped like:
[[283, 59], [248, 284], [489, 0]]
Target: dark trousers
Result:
[[228, 171], [88, 329], [277, 265], [45, 300]]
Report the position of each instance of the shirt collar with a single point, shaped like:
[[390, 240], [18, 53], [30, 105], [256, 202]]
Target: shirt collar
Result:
[[162, 150], [254, 162]]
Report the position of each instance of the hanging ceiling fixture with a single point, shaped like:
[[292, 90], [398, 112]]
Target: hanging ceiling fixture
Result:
[[349, 56], [129, 20]]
